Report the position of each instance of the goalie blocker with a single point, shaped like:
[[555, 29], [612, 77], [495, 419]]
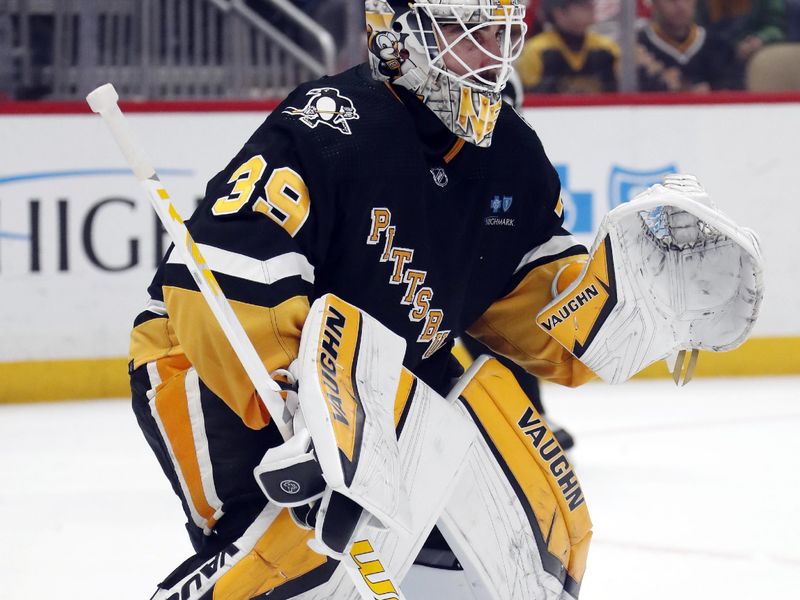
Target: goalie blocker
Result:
[[668, 273]]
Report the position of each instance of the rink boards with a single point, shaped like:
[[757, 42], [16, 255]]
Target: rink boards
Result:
[[79, 243]]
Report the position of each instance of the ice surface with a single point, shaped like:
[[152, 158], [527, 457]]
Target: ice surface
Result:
[[694, 493]]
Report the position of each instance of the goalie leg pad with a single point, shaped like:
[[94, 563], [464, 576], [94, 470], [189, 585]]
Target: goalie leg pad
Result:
[[518, 520], [349, 370], [434, 437]]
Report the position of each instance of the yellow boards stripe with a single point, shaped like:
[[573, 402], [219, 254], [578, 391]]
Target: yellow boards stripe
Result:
[[756, 357], [89, 378], [48, 380], [337, 357]]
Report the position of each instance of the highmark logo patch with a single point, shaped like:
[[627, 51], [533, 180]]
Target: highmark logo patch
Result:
[[500, 205]]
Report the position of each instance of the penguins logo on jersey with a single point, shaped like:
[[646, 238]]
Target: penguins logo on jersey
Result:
[[326, 106]]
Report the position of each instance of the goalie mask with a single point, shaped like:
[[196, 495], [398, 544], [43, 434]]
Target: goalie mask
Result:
[[455, 55]]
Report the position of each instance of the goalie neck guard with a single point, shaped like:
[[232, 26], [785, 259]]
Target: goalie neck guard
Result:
[[455, 55]]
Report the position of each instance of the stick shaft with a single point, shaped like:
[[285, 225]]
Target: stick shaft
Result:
[[193, 259]]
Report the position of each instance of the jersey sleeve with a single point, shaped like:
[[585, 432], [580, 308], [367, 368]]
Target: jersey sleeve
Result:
[[509, 325], [262, 228]]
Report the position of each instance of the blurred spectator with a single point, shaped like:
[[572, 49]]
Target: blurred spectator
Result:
[[6, 52], [534, 18], [569, 58], [675, 54], [745, 24], [793, 20]]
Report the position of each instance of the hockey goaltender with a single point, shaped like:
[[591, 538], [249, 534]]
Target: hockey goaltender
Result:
[[374, 217]]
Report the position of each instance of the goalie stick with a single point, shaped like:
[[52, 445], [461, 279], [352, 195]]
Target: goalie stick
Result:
[[103, 101]]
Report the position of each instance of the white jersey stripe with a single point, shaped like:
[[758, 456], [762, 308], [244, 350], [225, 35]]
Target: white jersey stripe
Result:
[[154, 375], [197, 420], [156, 307], [552, 247], [269, 271]]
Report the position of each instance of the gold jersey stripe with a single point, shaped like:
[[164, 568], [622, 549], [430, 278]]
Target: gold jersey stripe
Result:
[[171, 365], [391, 89], [172, 408], [448, 158], [152, 340], [275, 333], [522, 340]]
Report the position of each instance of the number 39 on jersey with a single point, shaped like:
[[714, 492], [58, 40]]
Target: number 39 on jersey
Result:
[[285, 197]]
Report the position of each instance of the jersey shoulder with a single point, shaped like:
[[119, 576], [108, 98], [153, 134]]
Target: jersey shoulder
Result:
[[522, 154], [336, 109], [516, 138]]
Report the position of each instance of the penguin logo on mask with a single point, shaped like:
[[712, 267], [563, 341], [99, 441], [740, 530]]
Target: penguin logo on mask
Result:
[[390, 49], [327, 107]]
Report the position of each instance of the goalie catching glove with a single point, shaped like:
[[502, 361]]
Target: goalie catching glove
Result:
[[668, 273]]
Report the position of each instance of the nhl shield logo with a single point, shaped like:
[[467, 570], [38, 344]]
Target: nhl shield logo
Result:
[[328, 107], [440, 177], [625, 184]]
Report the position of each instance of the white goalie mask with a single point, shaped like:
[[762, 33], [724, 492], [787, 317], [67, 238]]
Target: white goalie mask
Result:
[[456, 55]]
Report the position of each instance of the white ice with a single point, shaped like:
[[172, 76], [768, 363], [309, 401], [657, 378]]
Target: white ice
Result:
[[694, 494]]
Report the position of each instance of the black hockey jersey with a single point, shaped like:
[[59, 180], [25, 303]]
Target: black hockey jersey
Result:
[[699, 62], [354, 187]]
